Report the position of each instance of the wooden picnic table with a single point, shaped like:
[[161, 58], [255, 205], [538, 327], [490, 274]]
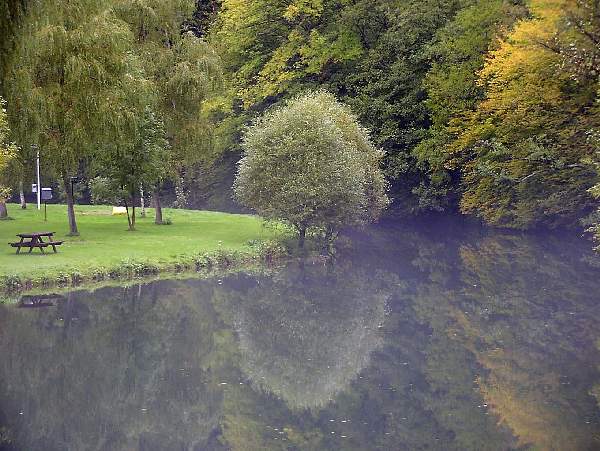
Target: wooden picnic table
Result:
[[35, 239]]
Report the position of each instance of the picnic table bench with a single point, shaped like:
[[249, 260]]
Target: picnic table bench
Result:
[[35, 240]]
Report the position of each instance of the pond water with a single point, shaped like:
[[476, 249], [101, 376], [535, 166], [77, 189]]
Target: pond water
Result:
[[447, 337]]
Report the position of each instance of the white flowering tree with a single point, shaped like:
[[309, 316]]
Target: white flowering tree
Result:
[[311, 164]]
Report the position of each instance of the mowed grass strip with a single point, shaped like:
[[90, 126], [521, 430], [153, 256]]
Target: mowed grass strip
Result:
[[105, 241]]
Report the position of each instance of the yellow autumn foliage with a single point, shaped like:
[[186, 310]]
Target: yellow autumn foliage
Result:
[[521, 150], [524, 90]]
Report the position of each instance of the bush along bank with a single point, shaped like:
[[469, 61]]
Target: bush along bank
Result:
[[263, 252]]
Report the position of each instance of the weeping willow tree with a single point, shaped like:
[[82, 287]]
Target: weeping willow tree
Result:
[[184, 69], [72, 73], [11, 14], [6, 155]]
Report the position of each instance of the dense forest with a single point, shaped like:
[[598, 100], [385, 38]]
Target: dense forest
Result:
[[484, 107]]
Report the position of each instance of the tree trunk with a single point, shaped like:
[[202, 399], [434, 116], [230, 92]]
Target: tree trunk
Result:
[[142, 202], [3, 210], [133, 215], [329, 239], [22, 195], [302, 237], [158, 219], [70, 207], [180, 194], [128, 216]]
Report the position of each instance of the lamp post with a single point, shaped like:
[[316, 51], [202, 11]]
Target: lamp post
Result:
[[39, 184]]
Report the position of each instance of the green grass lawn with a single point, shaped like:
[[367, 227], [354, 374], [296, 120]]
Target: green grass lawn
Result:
[[105, 240]]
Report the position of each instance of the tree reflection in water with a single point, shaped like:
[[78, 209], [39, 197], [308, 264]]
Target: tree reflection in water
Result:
[[306, 332], [444, 339], [531, 319]]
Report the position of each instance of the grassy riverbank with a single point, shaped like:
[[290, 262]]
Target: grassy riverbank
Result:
[[107, 250]]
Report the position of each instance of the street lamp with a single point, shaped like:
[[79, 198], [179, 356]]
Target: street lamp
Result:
[[37, 170]]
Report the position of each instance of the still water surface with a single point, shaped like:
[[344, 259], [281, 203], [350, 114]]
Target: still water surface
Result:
[[441, 338]]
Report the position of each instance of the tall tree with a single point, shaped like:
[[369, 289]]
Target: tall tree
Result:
[[523, 149], [371, 54], [457, 54], [11, 14], [69, 69], [184, 69], [139, 162], [6, 156]]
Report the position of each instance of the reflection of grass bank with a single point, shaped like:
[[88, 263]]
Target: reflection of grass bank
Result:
[[196, 241], [256, 266]]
